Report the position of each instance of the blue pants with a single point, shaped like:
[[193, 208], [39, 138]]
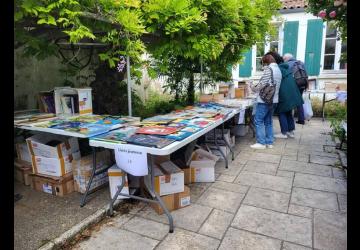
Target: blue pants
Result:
[[263, 123], [300, 110], [287, 123]]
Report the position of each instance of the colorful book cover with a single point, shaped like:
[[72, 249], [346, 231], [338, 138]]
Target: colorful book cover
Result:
[[149, 140], [191, 129], [156, 130], [179, 136]]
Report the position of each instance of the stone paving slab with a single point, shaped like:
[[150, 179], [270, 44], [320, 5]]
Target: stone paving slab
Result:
[[302, 158], [112, 238], [342, 202], [182, 239], [230, 187], [289, 157], [276, 183], [268, 199], [242, 240], [217, 223], [147, 228], [314, 198], [330, 161], [190, 218], [300, 210], [306, 168], [232, 170], [339, 173], [284, 173], [265, 157], [320, 183], [197, 189], [221, 199], [261, 167], [274, 224], [330, 230], [226, 178], [290, 246]]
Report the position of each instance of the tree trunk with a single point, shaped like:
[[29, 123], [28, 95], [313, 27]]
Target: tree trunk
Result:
[[191, 90]]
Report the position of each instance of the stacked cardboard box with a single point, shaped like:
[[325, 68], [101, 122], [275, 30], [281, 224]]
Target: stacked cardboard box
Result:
[[169, 184], [51, 158], [52, 154], [115, 179], [82, 170], [22, 171], [23, 152], [200, 167], [52, 185]]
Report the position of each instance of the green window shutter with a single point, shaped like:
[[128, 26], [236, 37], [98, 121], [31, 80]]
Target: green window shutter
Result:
[[246, 67], [229, 68], [290, 37], [313, 46]]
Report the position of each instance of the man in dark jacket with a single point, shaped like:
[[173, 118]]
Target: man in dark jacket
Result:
[[291, 61]]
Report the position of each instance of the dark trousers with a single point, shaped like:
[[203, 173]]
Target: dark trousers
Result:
[[300, 110], [287, 123]]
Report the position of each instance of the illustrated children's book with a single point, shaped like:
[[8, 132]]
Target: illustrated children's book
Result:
[[156, 130], [116, 136], [149, 140]]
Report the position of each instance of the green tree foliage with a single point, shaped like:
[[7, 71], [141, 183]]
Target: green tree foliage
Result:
[[178, 34]]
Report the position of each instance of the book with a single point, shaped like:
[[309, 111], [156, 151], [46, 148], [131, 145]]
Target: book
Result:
[[116, 136], [149, 140], [156, 130], [66, 104], [179, 136]]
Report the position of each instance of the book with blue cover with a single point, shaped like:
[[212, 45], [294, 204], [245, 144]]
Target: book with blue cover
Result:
[[149, 140]]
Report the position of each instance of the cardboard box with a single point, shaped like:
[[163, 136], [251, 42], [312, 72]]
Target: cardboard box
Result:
[[115, 179], [202, 164], [240, 92], [84, 99], [168, 179], [38, 145], [173, 201], [23, 152], [206, 98], [22, 171], [82, 170], [53, 166], [58, 187], [83, 166], [218, 97], [80, 183], [184, 167], [214, 150]]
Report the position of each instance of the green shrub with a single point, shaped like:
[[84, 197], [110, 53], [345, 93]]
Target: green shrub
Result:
[[158, 103], [333, 109]]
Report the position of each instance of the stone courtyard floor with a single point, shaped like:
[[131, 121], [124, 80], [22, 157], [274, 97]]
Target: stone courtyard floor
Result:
[[291, 197]]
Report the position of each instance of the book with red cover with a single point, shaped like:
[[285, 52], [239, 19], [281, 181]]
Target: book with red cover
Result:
[[156, 130]]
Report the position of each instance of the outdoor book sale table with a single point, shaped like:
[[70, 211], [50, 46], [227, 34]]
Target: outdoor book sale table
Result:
[[137, 155], [36, 126]]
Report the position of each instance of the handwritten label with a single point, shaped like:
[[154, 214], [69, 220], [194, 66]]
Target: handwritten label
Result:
[[132, 161]]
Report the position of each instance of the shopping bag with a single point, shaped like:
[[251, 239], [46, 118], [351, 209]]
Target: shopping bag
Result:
[[308, 112]]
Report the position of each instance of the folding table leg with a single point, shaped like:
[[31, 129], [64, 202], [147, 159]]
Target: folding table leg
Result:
[[323, 107], [111, 205], [221, 152], [83, 199], [226, 142]]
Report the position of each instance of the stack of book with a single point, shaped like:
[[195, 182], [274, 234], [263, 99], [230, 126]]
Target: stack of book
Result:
[[70, 104], [47, 103]]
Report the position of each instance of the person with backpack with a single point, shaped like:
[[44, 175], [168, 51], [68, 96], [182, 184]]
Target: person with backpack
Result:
[[267, 90], [289, 98], [301, 78]]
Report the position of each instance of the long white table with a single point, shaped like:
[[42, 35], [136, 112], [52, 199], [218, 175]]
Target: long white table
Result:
[[167, 150]]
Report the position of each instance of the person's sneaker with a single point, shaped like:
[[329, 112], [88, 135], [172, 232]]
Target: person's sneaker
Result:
[[258, 146], [291, 134], [281, 136], [300, 122], [269, 146]]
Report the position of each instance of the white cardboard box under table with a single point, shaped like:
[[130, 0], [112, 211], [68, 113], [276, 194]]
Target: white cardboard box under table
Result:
[[203, 164], [37, 145], [53, 166], [115, 179]]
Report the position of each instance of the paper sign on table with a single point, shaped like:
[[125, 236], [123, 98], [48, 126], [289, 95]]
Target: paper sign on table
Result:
[[132, 161]]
